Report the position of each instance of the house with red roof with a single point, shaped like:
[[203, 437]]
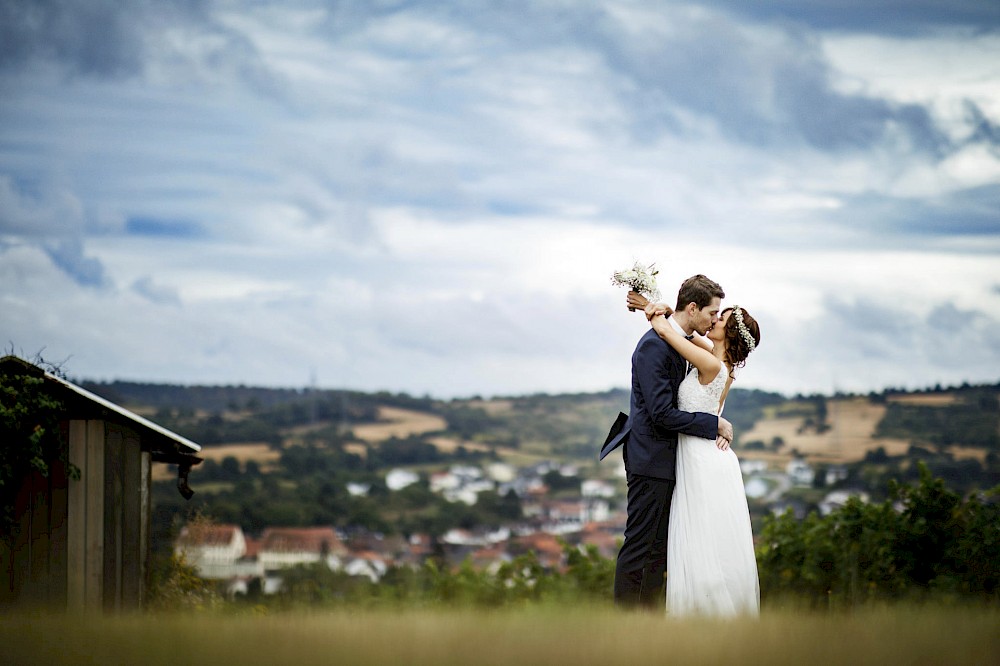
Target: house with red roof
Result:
[[282, 547]]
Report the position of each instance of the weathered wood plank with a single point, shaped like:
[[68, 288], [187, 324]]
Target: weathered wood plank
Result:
[[145, 515], [131, 569], [112, 517], [58, 535], [94, 539], [20, 556], [38, 539], [76, 518]]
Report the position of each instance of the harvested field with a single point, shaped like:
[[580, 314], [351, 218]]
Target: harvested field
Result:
[[450, 444], [492, 407], [396, 422], [924, 399], [259, 452], [357, 449], [852, 421]]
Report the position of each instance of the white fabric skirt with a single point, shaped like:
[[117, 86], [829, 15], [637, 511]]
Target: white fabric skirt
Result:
[[711, 567]]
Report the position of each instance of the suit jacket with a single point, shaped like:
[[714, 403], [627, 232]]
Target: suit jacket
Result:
[[649, 434]]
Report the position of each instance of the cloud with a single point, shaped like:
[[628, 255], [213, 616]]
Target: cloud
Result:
[[170, 40], [148, 289], [984, 130], [964, 214], [431, 196], [40, 213], [893, 17], [90, 38], [149, 226], [769, 85], [69, 256]]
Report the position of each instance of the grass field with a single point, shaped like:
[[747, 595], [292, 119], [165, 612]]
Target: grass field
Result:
[[577, 635]]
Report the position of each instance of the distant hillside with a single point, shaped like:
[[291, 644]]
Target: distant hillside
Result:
[[769, 426], [289, 457]]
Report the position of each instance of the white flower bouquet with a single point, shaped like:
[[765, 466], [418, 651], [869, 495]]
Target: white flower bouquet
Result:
[[639, 278]]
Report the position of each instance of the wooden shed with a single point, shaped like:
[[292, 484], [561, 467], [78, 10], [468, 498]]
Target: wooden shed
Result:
[[83, 543]]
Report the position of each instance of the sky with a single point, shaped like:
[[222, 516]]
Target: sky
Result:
[[430, 197]]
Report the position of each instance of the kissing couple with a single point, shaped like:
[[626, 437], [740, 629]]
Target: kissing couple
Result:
[[688, 536]]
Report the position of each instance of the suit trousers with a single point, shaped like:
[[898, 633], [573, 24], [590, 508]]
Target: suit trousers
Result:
[[642, 560]]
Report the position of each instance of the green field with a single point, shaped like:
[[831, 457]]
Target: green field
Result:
[[577, 635]]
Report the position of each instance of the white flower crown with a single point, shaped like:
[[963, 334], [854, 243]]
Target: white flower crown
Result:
[[742, 328]]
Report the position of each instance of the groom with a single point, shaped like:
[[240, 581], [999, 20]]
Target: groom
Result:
[[650, 444]]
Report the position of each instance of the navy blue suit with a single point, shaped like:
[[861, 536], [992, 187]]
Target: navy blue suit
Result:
[[650, 452]]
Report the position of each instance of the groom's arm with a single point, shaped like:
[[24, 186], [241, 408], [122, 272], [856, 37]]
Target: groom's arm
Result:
[[652, 371]]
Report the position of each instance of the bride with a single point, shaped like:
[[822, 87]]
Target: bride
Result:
[[711, 567]]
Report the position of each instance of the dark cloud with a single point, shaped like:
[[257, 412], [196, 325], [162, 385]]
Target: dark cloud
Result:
[[32, 210], [885, 344], [111, 38], [768, 92], [969, 212], [771, 90], [155, 293], [95, 37], [151, 226], [68, 256], [892, 17], [984, 130]]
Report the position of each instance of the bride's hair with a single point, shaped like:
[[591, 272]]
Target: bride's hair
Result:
[[737, 346]]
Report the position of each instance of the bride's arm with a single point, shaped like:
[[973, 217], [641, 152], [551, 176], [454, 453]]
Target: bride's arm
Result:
[[636, 301], [697, 355], [640, 302]]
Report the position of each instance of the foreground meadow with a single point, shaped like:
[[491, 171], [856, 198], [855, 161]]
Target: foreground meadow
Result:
[[556, 635]]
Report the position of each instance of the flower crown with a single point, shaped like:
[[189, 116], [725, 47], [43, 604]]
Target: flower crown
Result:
[[742, 328]]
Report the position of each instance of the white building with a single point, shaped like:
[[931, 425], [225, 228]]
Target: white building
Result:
[[501, 472], [835, 473], [838, 498], [444, 481], [756, 487], [358, 489], [597, 488], [368, 564], [800, 472], [397, 479], [216, 551], [282, 547], [749, 467]]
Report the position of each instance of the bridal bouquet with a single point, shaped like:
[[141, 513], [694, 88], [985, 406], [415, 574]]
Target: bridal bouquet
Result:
[[639, 278]]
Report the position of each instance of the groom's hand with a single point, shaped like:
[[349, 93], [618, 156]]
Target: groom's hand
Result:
[[656, 309], [725, 430], [635, 301]]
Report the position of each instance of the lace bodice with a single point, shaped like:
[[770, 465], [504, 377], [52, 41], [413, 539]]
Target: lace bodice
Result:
[[693, 397]]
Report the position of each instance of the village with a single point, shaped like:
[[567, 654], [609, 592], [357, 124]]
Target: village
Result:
[[592, 516]]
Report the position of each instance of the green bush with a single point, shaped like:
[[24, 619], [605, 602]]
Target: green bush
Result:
[[924, 542], [175, 586]]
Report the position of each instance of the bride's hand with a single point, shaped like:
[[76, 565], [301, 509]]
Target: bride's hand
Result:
[[654, 309]]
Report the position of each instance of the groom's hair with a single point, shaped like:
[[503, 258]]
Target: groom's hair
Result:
[[699, 290]]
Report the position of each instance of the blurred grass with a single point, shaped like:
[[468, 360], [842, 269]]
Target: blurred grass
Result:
[[535, 635]]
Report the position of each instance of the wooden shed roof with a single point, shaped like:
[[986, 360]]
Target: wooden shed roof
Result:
[[10, 364]]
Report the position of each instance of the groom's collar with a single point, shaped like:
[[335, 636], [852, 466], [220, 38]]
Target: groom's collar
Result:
[[677, 327]]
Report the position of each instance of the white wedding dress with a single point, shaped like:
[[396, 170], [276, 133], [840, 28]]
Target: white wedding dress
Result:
[[711, 567]]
